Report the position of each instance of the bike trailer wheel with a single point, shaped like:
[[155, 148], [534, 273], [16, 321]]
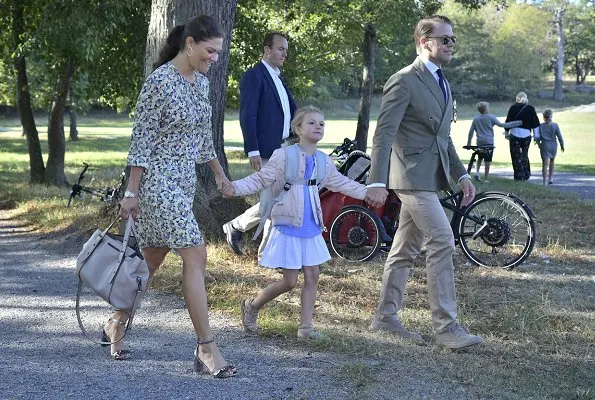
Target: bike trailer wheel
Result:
[[355, 234]]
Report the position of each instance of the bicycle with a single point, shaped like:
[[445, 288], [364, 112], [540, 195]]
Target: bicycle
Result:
[[109, 195], [496, 230]]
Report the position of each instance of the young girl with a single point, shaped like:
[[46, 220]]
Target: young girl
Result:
[[545, 136], [295, 241]]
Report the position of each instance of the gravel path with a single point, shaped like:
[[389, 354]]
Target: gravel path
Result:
[[582, 185], [44, 356]]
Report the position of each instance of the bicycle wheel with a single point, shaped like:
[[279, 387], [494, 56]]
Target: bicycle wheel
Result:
[[355, 234], [496, 231]]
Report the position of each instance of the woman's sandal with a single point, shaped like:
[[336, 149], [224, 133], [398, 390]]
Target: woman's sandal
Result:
[[119, 355], [226, 372]]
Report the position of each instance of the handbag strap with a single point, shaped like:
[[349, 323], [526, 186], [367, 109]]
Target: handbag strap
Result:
[[507, 131], [137, 298], [520, 111], [127, 232]]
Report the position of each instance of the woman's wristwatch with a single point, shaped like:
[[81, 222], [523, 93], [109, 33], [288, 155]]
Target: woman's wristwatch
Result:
[[128, 194]]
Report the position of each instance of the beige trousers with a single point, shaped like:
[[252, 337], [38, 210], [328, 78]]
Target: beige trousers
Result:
[[252, 216], [421, 216]]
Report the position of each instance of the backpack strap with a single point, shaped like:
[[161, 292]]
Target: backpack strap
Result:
[[291, 178], [291, 168], [320, 166]]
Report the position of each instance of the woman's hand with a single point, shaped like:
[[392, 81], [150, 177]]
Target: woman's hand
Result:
[[224, 185], [128, 206]]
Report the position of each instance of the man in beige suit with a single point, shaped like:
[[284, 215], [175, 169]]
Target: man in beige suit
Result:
[[413, 138]]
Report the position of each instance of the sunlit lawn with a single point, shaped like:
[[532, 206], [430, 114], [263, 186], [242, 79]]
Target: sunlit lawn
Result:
[[577, 129]]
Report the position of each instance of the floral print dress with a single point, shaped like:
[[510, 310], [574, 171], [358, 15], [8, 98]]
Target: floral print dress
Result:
[[171, 133]]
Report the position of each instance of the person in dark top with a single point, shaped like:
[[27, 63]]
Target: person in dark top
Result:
[[520, 137]]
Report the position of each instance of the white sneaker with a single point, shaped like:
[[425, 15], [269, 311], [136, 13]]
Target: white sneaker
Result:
[[477, 179], [456, 337]]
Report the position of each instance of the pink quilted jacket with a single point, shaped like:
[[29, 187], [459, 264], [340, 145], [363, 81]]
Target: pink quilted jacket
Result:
[[290, 210]]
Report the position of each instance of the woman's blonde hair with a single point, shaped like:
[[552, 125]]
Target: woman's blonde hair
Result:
[[300, 115], [521, 97]]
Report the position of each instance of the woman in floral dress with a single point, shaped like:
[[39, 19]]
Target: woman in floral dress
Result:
[[171, 133]]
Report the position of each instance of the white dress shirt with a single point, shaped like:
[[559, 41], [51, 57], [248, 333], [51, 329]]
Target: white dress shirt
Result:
[[275, 72], [433, 68]]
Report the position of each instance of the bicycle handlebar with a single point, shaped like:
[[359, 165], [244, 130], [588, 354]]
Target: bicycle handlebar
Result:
[[344, 148], [82, 174]]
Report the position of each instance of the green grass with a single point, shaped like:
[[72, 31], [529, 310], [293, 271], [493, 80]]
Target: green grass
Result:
[[576, 127]]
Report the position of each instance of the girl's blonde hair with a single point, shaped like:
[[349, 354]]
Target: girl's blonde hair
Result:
[[521, 97], [300, 115], [547, 114]]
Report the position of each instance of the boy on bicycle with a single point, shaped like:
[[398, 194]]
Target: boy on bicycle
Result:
[[483, 126]]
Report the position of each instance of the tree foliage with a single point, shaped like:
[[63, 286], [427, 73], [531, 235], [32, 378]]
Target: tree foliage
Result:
[[580, 38], [500, 50]]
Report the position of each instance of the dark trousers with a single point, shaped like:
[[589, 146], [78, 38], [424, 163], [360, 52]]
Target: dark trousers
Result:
[[519, 153]]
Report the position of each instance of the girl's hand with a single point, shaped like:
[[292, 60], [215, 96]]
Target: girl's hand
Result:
[[224, 186], [228, 190], [128, 206]]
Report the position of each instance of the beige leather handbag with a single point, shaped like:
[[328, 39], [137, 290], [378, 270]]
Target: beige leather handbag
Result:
[[113, 266]]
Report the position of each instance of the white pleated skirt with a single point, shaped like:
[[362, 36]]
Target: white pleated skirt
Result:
[[290, 252]]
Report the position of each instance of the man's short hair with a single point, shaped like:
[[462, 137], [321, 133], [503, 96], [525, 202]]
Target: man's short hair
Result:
[[482, 106], [270, 38], [425, 26]]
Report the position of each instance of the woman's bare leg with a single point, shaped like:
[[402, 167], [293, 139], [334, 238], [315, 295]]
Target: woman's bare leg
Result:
[[309, 291], [154, 256], [551, 172], [193, 286]]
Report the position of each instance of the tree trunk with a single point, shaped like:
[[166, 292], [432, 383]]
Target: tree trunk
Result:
[[577, 69], [72, 114], [56, 141], [161, 22], [165, 14], [74, 133], [559, 66], [37, 169], [363, 119]]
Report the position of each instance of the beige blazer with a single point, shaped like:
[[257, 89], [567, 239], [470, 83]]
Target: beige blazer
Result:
[[412, 148]]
